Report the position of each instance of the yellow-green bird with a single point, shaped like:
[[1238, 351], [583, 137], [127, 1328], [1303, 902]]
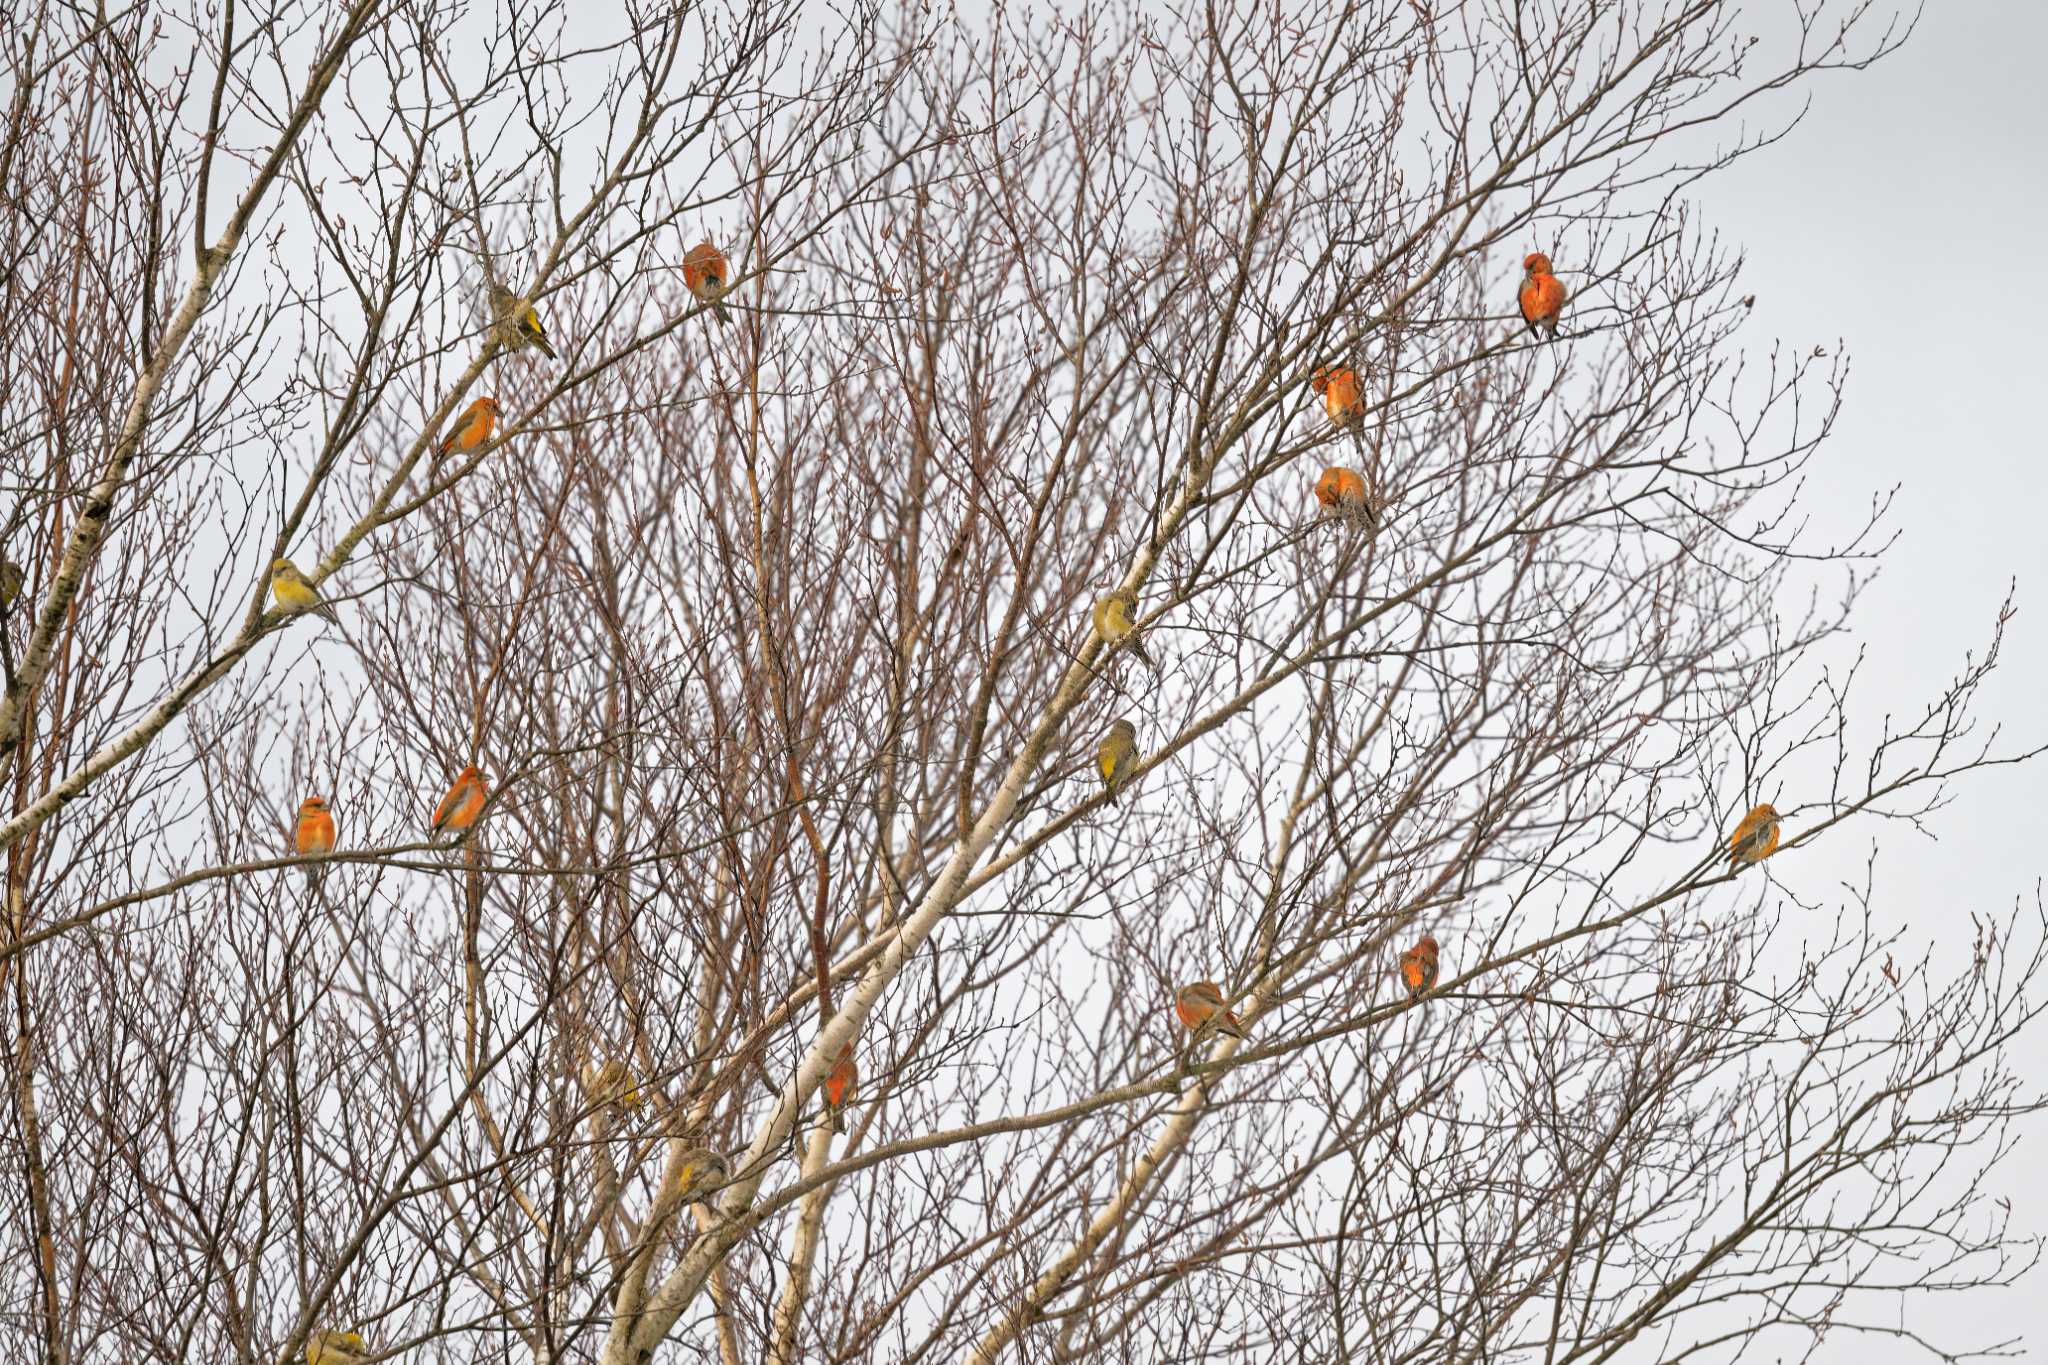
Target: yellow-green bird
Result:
[[519, 322], [295, 592], [335, 1348], [702, 1172], [11, 579], [1115, 617], [1117, 756], [611, 1085]]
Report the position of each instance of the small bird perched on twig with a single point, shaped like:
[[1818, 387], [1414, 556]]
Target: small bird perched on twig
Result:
[[611, 1085], [314, 833], [1418, 967], [462, 805], [1542, 295], [1117, 756], [1343, 494], [295, 592], [519, 323], [1200, 1009], [839, 1087], [470, 429], [1755, 839], [708, 276], [335, 1348], [1115, 621], [702, 1172], [1342, 398]]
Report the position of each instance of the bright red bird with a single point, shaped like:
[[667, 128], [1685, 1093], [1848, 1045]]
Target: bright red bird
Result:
[[1542, 295], [839, 1087]]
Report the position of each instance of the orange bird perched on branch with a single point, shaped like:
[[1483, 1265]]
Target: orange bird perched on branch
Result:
[[1342, 398], [314, 833], [471, 429], [839, 1087], [1342, 492], [1418, 967], [463, 803], [1756, 838], [708, 275], [1200, 1007], [1542, 295]]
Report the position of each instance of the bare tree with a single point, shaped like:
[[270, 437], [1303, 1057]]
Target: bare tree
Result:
[[803, 991]]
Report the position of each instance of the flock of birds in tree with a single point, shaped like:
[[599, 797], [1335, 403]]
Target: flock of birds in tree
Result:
[[1345, 496], [1202, 1007]]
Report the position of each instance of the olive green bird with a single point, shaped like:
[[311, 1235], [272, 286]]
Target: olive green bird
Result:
[[1115, 621], [519, 323], [702, 1172], [11, 579], [335, 1348], [1117, 756], [295, 592], [611, 1085]]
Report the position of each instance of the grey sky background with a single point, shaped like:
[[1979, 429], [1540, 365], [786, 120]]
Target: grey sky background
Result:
[[1906, 220], [1903, 221]]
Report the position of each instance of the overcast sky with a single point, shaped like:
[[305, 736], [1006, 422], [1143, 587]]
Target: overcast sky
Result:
[[1905, 219]]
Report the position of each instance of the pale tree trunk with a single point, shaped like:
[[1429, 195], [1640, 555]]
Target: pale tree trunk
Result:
[[774, 640]]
